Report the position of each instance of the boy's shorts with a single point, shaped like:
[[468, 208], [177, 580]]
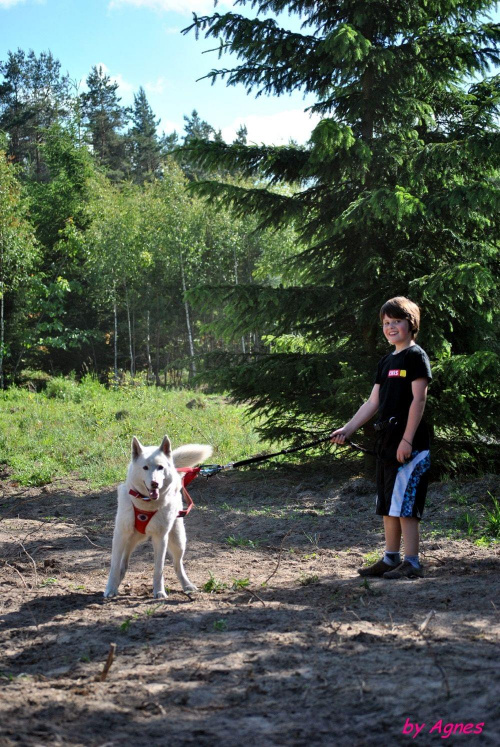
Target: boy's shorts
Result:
[[402, 487]]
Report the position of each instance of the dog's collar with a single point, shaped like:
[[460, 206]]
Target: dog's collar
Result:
[[188, 475], [138, 495]]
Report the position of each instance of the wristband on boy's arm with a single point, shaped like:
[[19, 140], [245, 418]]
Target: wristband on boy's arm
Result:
[[405, 439]]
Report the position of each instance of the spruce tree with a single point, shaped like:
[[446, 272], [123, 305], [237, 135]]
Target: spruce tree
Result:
[[105, 120], [145, 148], [196, 130], [396, 193]]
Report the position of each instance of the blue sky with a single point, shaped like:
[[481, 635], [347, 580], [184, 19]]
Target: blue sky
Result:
[[139, 43]]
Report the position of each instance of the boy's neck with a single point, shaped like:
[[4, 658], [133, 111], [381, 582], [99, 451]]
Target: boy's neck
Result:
[[403, 346]]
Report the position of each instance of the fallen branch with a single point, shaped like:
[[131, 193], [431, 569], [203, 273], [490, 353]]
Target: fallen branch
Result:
[[111, 655], [8, 565], [249, 591]]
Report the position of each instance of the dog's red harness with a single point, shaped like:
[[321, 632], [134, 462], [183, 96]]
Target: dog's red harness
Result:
[[142, 518]]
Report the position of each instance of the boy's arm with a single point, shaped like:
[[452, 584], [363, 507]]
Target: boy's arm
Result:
[[419, 389], [365, 412]]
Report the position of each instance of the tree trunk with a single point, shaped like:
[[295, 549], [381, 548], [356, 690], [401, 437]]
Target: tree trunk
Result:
[[115, 344], [188, 322], [148, 348], [2, 311], [130, 339], [2, 332], [236, 283]]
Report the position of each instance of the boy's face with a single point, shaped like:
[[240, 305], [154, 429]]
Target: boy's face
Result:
[[397, 331]]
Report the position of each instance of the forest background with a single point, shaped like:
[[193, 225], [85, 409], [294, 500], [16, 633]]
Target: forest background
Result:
[[259, 270]]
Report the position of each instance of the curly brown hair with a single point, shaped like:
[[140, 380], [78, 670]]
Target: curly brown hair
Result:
[[400, 307]]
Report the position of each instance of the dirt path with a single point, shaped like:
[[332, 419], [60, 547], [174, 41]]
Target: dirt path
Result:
[[304, 654]]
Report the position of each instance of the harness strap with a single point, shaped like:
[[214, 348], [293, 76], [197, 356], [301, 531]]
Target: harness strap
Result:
[[188, 475], [142, 518]]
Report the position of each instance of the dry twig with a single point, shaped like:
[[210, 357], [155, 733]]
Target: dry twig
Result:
[[253, 593], [111, 655]]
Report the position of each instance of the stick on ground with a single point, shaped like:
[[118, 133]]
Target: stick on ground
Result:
[[111, 655]]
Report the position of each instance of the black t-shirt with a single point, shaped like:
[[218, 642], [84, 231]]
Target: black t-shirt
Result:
[[395, 374]]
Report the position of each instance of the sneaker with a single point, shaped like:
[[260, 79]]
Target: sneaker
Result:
[[405, 570], [377, 569]]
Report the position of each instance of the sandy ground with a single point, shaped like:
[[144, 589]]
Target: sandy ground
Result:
[[307, 653]]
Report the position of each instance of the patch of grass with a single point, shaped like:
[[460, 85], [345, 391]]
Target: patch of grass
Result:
[[151, 610], [213, 585], [371, 557], [310, 556], [458, 497], [220, 625], [49, 582], [240, 583], [493, 519], [77, 429], [241, 542], [467, 523], [309, 580]]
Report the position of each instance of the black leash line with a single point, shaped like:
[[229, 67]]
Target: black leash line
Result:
[[212, 469]]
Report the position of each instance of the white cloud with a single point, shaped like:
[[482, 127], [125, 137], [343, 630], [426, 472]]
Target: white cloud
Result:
[[168, 126], [274, 129], [10, 3], [157, 86], [184, 7]]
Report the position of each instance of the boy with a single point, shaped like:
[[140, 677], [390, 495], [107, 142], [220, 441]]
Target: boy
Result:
[[402, 444]]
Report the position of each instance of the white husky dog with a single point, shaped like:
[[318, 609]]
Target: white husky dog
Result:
[[153, 482]]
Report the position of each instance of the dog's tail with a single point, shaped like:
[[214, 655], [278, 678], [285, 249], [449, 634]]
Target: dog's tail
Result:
[[191, 454]]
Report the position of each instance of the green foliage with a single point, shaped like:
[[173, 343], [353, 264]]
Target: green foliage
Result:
[[240, 583], [493, 519], [78, 430], [395, 194], [241, 542], [213, 585]]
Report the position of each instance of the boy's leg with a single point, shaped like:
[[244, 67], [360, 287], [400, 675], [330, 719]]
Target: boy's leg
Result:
[[410, 568], [386, 474], [410, 530], [392, 529]]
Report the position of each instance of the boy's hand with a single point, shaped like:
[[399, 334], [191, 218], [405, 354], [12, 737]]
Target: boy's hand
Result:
[[339, 436], [403, 453]]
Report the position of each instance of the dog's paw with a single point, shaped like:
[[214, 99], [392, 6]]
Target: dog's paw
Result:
[[110, 593], [160, 595], [190, 589]]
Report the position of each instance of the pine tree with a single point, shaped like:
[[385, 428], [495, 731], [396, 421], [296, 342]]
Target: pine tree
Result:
[[105, 120], [241, 135], [34, 95], [196, 130], [396, 193], [143, 139]]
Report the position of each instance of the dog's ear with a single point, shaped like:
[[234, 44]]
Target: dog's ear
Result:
[[137, 447], [166, 446]]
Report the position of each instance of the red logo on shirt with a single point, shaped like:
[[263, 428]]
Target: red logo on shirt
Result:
[[397, 372]]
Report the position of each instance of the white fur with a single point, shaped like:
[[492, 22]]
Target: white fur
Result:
[[152, 473]]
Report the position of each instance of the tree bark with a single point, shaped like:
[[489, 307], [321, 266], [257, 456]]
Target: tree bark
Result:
[[188, 322]]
